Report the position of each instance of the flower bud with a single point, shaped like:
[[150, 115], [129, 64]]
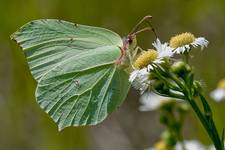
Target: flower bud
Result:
[[180, 68], [197, 87]]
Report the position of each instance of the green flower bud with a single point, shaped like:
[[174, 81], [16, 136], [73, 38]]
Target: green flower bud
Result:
[[197, 86], [180, 68]]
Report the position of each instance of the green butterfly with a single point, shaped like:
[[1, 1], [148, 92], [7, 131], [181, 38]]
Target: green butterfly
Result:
[[79, 69]]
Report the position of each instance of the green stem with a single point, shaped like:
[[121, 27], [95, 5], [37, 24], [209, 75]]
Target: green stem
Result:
[[208, 115], [208, 124], [213, 135]]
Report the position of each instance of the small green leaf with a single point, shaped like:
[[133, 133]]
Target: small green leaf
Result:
[[74, 65]]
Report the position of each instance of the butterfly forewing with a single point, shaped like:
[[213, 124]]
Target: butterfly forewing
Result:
[[48, 42]]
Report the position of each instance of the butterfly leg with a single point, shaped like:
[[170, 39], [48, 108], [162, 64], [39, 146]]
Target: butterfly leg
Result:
[[123, 52], [132, 55], [136, 51], [131, 59]]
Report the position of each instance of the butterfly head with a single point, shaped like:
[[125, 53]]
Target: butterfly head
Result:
[[130, 42]]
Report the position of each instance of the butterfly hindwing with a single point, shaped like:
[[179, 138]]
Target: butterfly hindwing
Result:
[[81, 90]]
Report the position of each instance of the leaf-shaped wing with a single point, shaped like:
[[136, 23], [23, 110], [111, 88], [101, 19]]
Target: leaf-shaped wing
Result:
[[47, 42], [84, 89], [74, 65]]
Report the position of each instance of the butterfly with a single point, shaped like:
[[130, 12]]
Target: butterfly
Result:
[[79, 69]]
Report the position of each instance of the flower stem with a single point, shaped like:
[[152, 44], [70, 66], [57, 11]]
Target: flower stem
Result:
[[205, 117], [211, 130]]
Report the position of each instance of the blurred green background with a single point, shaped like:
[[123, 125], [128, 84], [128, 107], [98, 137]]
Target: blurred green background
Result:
[[24, 126]]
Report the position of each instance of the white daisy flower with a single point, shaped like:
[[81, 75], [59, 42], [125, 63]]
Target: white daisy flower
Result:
[[151, 56], [151, 101], [144, 64], [183, 42], [219, 93]]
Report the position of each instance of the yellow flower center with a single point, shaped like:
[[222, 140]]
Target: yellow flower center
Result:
[[145, 58], [161, 145], [182, 39], [221, 84]]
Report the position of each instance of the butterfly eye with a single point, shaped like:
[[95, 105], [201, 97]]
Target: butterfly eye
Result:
[[129, 40]]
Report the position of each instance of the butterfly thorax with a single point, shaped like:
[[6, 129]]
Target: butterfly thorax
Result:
[[129, 45], [130, 42]]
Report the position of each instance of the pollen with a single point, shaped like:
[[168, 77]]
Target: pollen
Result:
[[146, 58], [221, 84], [182, 39]]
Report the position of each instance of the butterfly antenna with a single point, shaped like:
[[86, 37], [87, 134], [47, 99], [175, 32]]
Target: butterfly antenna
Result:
[[136, 27], [142, 30], [150, 28]]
